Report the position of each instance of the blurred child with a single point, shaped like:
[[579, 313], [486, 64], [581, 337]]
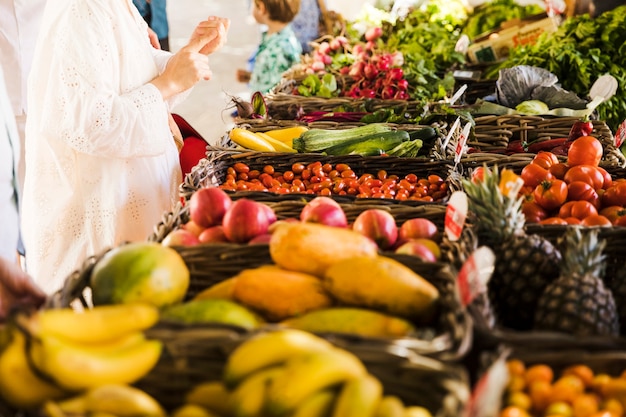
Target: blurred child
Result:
[[279, 49]]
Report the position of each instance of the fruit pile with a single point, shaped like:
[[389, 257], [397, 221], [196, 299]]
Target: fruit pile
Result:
[[293, 373], [339, 179], [576, 391], [576, 192]]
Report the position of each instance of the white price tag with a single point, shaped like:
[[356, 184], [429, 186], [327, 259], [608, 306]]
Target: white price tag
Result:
[[460, 146], [475, 274], [456, 212]]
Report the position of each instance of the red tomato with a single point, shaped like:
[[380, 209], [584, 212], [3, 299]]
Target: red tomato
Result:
[[578, 190], [478, 174], [613, 212], [534, 174], [585, 173], [551, 194], [586, 150], [572, 220], [615, 195], [553, 220], [545, 159], [534, 212], [608, 180], [621, 222], [558, 170], [596, 220], [578, 209]]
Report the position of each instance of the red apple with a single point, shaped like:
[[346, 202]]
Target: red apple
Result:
[[418, 228], [207, 206], [244, 220], [180, 237], [379, 225], [260, 239], [270, 213], [324, 210], [213, 235], [415, 248]]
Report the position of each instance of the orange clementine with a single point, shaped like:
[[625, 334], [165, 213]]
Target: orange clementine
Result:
[[516, 367], [567, 388], [540, 393], [613, 406], [584, 372], [539, 372], [512, 411], [519, 399], [585, 405], [516, 383], [599, 382], [559, 408]]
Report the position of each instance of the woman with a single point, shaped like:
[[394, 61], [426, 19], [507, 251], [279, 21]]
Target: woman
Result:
[[102, 166]]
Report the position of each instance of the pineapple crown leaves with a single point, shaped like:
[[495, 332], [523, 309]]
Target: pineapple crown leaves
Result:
[[500, 213], [582, 252]]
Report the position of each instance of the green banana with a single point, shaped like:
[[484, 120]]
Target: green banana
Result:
[[309, 372], [269, 349], [99, 324], [117, 399], [209, 395], [359, 397], [320, 404], [248, 398], [77, 367], [19, 385], [390, 406]]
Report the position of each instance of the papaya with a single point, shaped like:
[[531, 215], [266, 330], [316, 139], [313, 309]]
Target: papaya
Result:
[[212, 311], [278, 294], [351, 320], [223, 289], [383, 284], [140, 272], [311, 248]]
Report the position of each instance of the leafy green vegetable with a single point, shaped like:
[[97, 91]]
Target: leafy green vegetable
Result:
[[312, 86], [489, 16], [580, 51]]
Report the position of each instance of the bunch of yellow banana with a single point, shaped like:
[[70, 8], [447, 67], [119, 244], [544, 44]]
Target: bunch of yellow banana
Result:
[[56, 353], [294, 373]]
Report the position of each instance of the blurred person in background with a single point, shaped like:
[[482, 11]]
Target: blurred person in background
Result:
[[154, 12], [19, 25], [16, 287], [279, 49], [102, 162]]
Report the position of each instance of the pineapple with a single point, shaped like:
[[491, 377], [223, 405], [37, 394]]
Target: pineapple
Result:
[[577, 302], [525, 264]]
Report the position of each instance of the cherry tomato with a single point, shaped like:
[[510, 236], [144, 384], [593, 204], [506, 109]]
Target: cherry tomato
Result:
[[240, 167], [586, 150], [551, 194], [585, 173], [534, 174], [545, 159], [578, 209]]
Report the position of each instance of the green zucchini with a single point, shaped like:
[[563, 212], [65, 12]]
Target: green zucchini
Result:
[[424, 133], [371, 145], [315, 140]]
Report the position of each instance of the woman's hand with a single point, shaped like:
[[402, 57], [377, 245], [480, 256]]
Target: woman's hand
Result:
[[17, 289], [214, 30]]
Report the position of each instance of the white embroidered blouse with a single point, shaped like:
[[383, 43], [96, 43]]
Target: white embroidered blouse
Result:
[[102, 167]]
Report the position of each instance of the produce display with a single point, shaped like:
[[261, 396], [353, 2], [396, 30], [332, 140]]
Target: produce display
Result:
[[343, 265]]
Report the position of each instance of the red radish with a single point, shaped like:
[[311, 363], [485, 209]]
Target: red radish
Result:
[[418, 249], [180, 237], [335, 44], [324, 210], [401, 95], [324, 48], [213, 234], [207, 206], [373, 33], [370, 71], [244, 220], [395, 74], [418, 228], [378, 225]]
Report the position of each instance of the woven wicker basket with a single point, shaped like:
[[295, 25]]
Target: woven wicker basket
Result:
[[211, 171], [194, 354], [493, 133]]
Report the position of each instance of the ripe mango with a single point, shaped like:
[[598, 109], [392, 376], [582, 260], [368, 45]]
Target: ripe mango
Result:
[[351, 320], [311, 248], [223, 290], [278, 294], [383, 284]]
